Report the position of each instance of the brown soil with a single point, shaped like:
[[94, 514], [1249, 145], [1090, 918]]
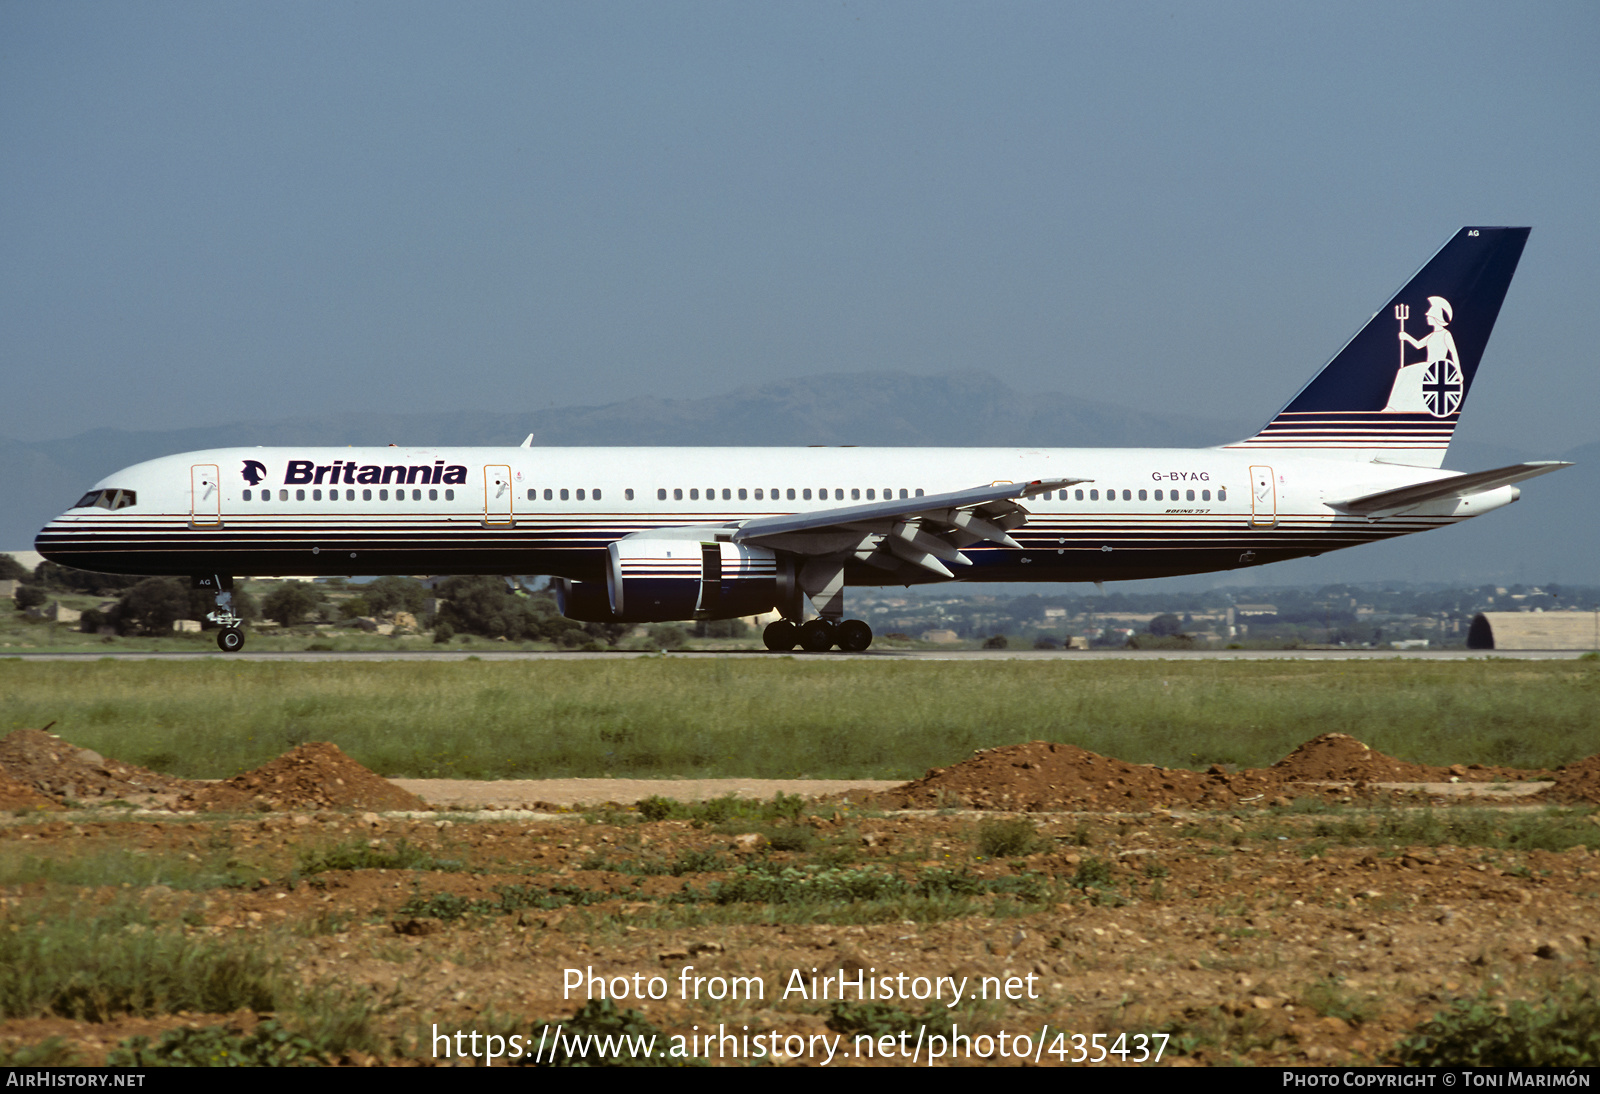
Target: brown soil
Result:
[[65, 773], [1338, 756], [1040, 777], [1577, 784], [316, 775], [18, 796], [1177, 904]]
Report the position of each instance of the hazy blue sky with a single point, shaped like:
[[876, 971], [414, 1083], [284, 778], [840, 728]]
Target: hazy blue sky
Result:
[[214, 211]]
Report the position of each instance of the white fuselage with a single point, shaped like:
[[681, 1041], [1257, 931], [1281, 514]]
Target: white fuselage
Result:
[[1141, 512]]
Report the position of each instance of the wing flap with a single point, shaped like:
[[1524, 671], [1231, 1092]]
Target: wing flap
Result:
[[923, 534]]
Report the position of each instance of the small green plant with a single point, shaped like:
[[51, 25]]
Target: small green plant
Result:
[[1093, 873], [356, 855], [268, 1045], [1331, 999], [603, 1037], [1009, 838], [1483, 1032], [51, 1052], [876, 1020]]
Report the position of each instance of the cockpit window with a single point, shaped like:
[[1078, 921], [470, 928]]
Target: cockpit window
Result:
[[107, 499]]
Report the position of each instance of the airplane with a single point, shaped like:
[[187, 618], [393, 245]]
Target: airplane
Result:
[[637, 535]]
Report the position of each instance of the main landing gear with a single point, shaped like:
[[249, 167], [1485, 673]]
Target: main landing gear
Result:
[[230, 639], [818, 635]]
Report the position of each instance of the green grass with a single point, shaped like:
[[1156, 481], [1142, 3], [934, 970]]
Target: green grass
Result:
[[94, 967], [62, 864], [777, 717]]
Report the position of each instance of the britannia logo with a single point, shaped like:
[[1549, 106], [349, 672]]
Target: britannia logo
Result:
[[254, 471], [1433, 385]]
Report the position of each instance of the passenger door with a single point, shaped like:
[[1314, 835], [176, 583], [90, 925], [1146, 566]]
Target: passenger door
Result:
[[497, 494], [1263, 498], [205, 495]]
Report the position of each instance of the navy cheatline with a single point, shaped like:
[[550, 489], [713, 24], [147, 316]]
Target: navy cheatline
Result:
[[1396, 393]]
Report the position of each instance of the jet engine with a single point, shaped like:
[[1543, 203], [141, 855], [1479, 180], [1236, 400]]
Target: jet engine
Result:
[[663, 579]]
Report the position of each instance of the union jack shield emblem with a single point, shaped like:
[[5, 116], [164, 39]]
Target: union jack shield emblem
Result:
[[1442, 388]]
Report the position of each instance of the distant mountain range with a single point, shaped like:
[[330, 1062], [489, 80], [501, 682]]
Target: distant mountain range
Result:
[[1550, 535]]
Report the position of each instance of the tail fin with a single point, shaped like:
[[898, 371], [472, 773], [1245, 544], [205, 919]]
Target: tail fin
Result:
[[1395, 391]]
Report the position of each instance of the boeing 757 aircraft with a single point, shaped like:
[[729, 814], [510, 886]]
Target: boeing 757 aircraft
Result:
[[656, 534]]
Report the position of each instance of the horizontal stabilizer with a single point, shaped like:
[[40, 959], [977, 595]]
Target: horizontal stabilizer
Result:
[[1455, 486]]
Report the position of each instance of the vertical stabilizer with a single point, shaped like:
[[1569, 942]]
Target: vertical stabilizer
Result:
[[1396, 390]]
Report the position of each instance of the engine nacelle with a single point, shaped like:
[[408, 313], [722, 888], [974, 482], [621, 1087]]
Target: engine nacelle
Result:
[[663, 580]]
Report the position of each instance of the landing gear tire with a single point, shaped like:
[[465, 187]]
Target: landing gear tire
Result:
[[230, 640], [780, 636], [854, 636], [817, 635]]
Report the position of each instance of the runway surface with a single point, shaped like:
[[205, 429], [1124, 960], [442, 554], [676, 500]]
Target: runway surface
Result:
[[828, 658]]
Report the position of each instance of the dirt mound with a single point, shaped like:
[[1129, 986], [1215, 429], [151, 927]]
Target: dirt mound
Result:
[[1339, 756], [62, 772], [316, 775], [1576, 784], [1044, 777], [19, 797]]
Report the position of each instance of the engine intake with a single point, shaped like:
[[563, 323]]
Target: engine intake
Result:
[[662, 580]]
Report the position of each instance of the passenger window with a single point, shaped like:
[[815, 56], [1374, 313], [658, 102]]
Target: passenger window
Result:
[[433, 495], [1158, 495], [727, 495], [1094, 495], [1222, 495], [449, 495], [596, 495], [1190, 495], [580, 495], [628, 493], [563, 493], [1141, 495], [791, 493], [283, 495], [661, 494], [316, 495], [533, 495], [1127, 495], [416, 495], [549, 495], [1079, 494], [741, 493], [677, 493], [694, 493], [383, 495], [245, 495], [806, 493], [1205, 495], [855, 493], [366, 495], [758, 494]]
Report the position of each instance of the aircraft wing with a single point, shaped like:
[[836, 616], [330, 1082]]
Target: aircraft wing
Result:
[[922, 533], [1453, 486]]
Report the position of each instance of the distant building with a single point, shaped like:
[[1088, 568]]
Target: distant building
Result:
[[1534, 631]]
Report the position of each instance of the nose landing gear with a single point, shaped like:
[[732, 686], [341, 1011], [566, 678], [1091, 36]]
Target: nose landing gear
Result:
[[230, 639]]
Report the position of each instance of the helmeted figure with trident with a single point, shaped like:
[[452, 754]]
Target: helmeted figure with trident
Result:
[[1433, 385]]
